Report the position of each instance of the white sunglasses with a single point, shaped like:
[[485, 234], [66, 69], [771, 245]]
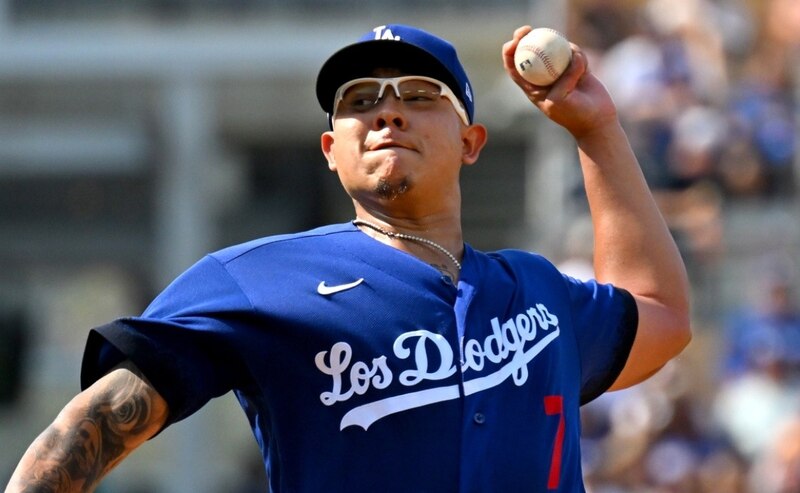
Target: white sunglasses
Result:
[[361, 95]]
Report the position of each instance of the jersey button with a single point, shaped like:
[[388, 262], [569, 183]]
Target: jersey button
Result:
[[479, 418]]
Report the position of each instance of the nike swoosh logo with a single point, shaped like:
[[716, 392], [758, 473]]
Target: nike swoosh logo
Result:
[[326, 290]]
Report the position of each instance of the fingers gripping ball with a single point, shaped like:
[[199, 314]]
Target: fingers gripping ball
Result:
[[542, 56]]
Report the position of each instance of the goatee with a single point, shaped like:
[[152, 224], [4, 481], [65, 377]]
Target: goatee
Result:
[[391, 191]]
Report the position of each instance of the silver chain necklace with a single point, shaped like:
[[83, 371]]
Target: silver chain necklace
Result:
[[403, 236]]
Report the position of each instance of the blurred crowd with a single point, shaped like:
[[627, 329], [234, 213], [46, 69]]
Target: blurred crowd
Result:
[[706, 90]]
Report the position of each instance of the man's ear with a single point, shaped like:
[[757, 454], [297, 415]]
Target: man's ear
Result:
[[473, 139], [326, 142]]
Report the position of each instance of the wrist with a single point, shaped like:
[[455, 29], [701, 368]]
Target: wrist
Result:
[[602, 131]]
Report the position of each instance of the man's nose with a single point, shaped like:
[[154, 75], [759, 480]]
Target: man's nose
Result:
[[390, 110]]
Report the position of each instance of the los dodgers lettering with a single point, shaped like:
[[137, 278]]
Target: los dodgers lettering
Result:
[[361, 374], [505, 346]]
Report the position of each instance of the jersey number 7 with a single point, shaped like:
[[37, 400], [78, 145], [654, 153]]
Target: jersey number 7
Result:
[[554, 405]]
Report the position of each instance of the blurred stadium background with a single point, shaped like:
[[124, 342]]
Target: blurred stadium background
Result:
[[137, 135]]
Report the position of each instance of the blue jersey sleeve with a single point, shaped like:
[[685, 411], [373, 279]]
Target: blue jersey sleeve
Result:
[[605, 319], [180, 342]]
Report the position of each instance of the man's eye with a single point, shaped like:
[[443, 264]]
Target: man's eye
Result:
[[360, 102], [420, 96]]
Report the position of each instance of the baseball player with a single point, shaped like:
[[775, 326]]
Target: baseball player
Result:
[[385, 353]]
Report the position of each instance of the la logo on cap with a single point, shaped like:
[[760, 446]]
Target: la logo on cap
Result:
[[381, 32]]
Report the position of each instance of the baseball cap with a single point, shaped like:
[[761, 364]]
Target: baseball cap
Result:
[[405, 48]]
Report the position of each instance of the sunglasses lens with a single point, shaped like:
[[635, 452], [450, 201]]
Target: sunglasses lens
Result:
[[360, 97], [419, 91]]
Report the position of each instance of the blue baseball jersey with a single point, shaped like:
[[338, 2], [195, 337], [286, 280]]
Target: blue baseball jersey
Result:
[[362, 368]]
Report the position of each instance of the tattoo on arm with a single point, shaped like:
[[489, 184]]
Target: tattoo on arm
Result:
[[119, 415]]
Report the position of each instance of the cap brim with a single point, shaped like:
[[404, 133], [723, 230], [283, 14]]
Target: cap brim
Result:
[[361, 59]]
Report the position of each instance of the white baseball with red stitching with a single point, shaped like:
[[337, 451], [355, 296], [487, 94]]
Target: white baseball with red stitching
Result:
[[542, 56]]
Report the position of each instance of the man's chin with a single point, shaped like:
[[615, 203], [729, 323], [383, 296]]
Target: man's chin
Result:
[[391, 190]]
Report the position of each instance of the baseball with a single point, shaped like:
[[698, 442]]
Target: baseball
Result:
[[542, 56]]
